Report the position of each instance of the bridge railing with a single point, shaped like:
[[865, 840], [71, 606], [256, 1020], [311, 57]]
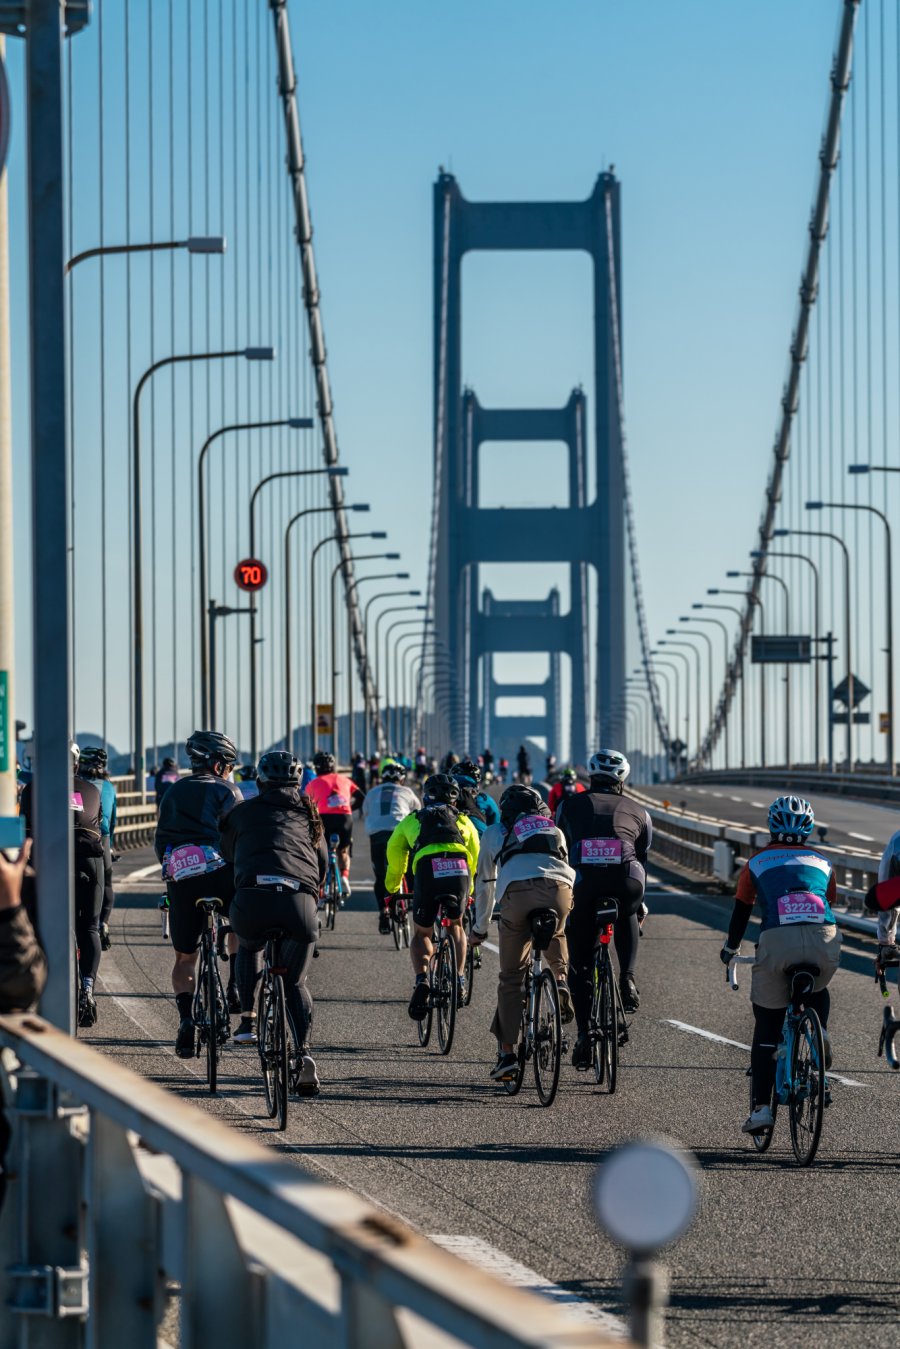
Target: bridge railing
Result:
[[869, 781], [131, 1218]]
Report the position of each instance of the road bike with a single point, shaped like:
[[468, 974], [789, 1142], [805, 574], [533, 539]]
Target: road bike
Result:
[[398, 912], [801, 1083], [274, 1039], [332, 897], [473, 953], [443, 990], [890, 1025], [607, 1028], [210, 1004], [163, 907], [541, 1037]]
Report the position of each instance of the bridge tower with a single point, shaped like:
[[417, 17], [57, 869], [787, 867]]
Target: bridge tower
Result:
[[582, 534]]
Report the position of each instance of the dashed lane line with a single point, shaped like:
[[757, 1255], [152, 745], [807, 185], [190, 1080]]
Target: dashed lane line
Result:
[[863, 838], [141, 874], [738, 1044]]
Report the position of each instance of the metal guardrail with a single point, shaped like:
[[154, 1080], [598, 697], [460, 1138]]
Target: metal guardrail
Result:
[[130, 1216], [869, 783], [689, 841]]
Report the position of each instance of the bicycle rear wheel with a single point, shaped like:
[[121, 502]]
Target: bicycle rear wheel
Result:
[[547, 1038], [396, 924], [807, 1102], [762, 1140], [265, 1023], [606, 1046], [331, 906], [212, 1013], [423, 1027], [513, 1085], [446, 994], [470, 973]]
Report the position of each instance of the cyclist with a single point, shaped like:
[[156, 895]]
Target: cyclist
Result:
[[487, 759], [522, 866], [567, 784], [383, 809], [795, 887], [503, 771], [93, 765], [187, 845], [421, 764], [276, 845], [551, 766], [523, 762], [336, 797], [246, 780], [888, 870], [165, 777], [608, 837], [480, 808], [443, 846]]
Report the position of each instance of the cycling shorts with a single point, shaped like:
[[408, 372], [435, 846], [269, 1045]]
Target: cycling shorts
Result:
[[442, 883], [186, 921], [342, 825]]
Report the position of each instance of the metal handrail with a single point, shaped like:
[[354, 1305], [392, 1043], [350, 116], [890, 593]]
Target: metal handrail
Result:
[[82, 1128]]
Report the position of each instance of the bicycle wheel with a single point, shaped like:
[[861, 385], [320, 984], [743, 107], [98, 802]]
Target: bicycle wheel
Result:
[[807, 1100], [513, 1085], [423, 1027], [547, 1038], [761, 1141], [331, 903], [407, 930], [396, 923], [280, 1052], [212, 1013], [201, 995], [470, 973], [265, 1029], [606, 1047], [446, 994]]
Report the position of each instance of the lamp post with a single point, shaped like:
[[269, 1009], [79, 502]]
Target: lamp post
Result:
[[249, 354], [770, 576], [310, 510], [207, 244], [351, 589], [394, 687], [664, 673], [215, 612], [329, 471], [704, 636], [296, 423], [848, 632], [889, 607], [383, 576], [679, 655], [730, 608], [330, 538], [394, 609], [384, 594], [753, 599], [817, 621], [695, 618], [689, 646]]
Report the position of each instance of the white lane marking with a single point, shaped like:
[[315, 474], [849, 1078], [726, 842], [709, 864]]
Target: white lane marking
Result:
[[739, 799], [864, 838], [141, 873], [488, 1258], [701, 791], [719, 794], [758, 805], [724, 1040]]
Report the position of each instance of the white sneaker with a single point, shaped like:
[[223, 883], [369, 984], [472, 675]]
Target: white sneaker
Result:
[[307, 1077], [345, 884], [758, 1119]]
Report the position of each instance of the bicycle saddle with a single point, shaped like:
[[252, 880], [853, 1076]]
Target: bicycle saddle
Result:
[[802, 978], [544, 923], [209, 903]]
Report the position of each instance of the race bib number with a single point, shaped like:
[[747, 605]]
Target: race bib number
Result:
[[336, 802], [76, 802], [188, 860], [801, 907], [279, 880], [449, 866], [601, 852], [532, 824]]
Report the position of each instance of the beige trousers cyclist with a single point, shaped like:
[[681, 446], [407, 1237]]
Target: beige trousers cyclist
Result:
[[520, 899]]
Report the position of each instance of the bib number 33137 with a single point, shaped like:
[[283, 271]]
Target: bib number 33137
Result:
[[602, 852]]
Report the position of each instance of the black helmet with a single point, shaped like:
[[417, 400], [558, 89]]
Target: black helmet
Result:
[[323, 762], [92, 762], [209, 747], [278, 768], [393, 772], [468, 770], [440, 787], [169, 762], [520, 800], [249, 772]]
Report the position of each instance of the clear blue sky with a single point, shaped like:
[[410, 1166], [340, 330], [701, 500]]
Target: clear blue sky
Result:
[[711, 113]]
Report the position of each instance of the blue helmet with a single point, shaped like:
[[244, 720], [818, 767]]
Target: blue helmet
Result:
[[790, 817]]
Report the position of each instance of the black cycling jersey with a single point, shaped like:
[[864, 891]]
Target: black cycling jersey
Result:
[[86, 805], [192, 811], [269, 836], [608, 836]]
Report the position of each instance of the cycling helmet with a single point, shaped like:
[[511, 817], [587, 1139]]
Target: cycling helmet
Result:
[[93, 761], [323, 762], [791, 819], [520, 800], [440, 787], [609, 765], [569, 775], [249, 772], [393, 772], [279, 768], [169, 762], [209, 747], [74, 751], [466, 771]]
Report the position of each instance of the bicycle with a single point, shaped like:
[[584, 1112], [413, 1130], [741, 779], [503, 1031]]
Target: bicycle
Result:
[[210, 1008], [333, 894], [273, 1031], [541, 1032], [607, 1028], [398, 912], [800, 1079], [890, 1025], [473, 953], [443, 991], [163, 907]]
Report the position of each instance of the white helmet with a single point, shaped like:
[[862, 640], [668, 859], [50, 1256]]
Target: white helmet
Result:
[[611, 765], [74, 750]]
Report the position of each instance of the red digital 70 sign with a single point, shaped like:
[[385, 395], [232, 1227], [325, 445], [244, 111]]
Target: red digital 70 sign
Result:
[[251, 574]]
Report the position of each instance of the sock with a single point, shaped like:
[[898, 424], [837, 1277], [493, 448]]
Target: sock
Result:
[[87, 984], [421, 978], [183, 1002]]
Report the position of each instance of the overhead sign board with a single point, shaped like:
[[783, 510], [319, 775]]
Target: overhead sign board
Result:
[[780, 650]]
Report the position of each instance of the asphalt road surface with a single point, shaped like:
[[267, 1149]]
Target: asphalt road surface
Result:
[[863, 825], [775, 1253]]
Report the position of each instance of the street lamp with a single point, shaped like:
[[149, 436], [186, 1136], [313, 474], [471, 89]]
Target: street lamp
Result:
[[295, 423], [329, 471], [382, 576], [770, 576], [375, 662], [249, 354], [370, 665], [679, 655], [215, 612], [690, 632], [394, 687], [310, 510], [202, 243], [817, 623], [889, 615], [752, 599], [665, 673]]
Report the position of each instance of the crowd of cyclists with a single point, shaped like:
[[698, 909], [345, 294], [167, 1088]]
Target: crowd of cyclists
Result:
[[257, 838]]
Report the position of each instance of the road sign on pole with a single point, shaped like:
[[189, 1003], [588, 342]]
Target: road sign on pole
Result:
[[884, 722], [780, 650], [325, 719], [251, 575]]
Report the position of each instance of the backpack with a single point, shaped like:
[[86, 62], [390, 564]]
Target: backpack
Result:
[[531, 834], [437, 827]]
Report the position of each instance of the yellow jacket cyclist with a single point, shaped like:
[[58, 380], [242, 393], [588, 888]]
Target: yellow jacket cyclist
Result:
[[443, 845]]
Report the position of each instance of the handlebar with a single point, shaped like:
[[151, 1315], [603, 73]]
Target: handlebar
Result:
[[731, 971]]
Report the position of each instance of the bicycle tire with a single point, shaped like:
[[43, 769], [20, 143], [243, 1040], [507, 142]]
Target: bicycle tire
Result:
[[447, 994], [281, 1053], [265, 1033], [470, 973], [513, 1085], [763, 1140], [212, 1034], [606, 1048], [547, 1038], [423, 1027], [407, 932], [396, 927], [806, 1106]]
